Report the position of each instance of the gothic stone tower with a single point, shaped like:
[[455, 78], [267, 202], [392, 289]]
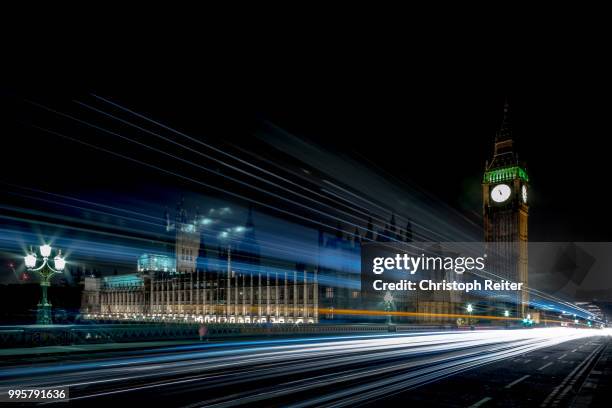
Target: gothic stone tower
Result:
[[505, 188], [187, 240]]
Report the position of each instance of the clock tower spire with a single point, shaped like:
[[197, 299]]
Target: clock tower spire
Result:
[[505, 132], [505, 188]]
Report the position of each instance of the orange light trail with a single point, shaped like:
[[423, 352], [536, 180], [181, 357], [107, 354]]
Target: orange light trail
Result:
[[358, 312]]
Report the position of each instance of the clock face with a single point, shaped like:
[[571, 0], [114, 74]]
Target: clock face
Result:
[[524, 193], [500, 193]]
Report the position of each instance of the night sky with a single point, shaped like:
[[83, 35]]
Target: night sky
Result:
[[434, 131]]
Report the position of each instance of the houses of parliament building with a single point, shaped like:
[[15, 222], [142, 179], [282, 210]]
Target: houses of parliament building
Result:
[[227, 284]]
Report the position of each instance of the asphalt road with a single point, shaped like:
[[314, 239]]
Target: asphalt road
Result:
[[546, 377], [537, 367]]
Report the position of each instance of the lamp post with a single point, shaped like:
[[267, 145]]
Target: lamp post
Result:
[[228, 235], [469, 309], [46, 272], [388, 305]]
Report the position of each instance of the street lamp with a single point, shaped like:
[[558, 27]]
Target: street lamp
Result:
[[388, 305], [46, 272], [469, 309], [228, 235]]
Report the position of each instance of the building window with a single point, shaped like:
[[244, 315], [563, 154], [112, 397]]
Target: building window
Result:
[[355, 294], [329, 293]]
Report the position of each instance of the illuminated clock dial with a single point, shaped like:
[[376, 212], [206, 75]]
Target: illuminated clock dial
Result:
[[500, 193], [524, 193]]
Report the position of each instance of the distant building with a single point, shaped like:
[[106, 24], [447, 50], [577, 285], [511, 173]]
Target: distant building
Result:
[[229, 284]]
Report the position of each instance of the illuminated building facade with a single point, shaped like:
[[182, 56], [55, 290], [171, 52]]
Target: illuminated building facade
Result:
[[156, 263], [229, 284]]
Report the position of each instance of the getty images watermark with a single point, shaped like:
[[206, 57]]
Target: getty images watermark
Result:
[[463, 267]]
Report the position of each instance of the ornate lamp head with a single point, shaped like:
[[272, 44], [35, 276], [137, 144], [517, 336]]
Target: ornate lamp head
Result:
[[59, 262], [45, 250], [30, 260]]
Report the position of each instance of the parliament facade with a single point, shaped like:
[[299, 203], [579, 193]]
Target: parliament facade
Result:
[[227, 284]]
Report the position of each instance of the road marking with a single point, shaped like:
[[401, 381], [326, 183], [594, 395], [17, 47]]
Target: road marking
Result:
[[526, 361], [574, 350], [482, 401], [561, 358], [544, 358], [576, 373], [513, 383], [544, 366]]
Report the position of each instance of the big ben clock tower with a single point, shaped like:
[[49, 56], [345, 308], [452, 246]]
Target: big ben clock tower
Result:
[[505, 191]]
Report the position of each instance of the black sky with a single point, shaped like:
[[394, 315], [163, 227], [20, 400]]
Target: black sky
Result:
[[431, 127]]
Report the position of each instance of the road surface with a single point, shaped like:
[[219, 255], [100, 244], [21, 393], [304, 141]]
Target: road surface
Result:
[[531, 367]]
